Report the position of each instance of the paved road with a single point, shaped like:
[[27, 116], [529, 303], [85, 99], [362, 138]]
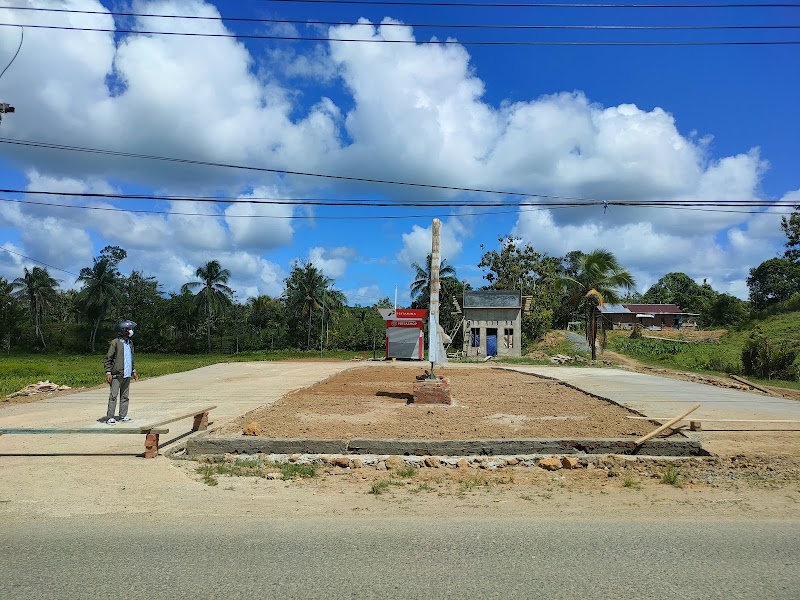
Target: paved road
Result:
[[405, 558], [655, 396]]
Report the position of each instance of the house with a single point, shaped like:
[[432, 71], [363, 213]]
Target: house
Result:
[[649, 316], [493, 322]]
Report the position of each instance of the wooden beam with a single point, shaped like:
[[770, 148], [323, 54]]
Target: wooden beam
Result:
[[751, 384], [710, 420], [197, 411], [666, 425], [58, 431]]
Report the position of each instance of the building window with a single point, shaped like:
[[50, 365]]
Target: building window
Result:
[[508, 337], [475, 337]]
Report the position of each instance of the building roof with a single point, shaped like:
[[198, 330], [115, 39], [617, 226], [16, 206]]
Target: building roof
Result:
[[656, 309], [492, 299], [639, 309]]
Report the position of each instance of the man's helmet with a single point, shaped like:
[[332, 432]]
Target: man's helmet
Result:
[[124, 325]]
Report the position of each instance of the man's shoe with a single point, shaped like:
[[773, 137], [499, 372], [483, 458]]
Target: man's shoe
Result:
[[111, 421], [126, 419]]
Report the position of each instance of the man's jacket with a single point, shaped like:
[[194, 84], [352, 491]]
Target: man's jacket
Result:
[[115, 358]]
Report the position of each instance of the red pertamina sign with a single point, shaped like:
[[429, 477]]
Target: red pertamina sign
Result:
[[404, 332]]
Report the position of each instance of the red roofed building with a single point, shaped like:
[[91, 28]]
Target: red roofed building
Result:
[[653, 316]]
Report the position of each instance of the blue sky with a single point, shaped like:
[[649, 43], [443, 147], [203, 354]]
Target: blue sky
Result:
[[652, 123]]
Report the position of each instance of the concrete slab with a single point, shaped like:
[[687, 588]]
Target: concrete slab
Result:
[[655, 396]]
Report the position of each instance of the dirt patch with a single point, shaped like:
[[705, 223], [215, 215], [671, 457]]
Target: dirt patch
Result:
[[372, 403]]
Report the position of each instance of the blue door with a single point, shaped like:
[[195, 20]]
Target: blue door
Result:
[[491, 345]]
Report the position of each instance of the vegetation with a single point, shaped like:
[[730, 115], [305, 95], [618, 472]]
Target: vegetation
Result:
[[598, 280]]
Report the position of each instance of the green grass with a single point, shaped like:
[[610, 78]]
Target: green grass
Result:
[[672, 476], [292, 470], [724, 357], [379, 487], [406, 472], [20, 370]]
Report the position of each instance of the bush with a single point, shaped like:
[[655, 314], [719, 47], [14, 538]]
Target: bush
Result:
[[765, 360]]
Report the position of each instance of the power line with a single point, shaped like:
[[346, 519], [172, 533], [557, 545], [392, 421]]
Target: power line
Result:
[[116, 153], [417, 42], [360, 202], [415, 25], [40, 262], [535, 5]]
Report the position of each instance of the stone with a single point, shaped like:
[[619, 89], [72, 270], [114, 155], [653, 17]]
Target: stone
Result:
[[570, 462], [357, 463], [432, 462], [395, 462], [512, 461], [550, 464], [294, 458], [381, 466], [341, 461], [252, 429], [462, 463]]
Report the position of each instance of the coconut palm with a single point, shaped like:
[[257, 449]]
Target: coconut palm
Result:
[[421, 286], [38, 288], [214, 294], [306, 290], [101, 288], [598, 280]]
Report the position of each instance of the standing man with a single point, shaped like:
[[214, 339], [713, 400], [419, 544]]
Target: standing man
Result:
[[120, 368]]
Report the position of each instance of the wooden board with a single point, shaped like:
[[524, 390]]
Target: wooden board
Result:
[[58, 431], [196, 411]]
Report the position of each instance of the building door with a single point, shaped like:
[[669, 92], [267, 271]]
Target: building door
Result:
[[491, 342]]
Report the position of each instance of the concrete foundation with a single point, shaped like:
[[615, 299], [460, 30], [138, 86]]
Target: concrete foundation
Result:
[[209, 444]]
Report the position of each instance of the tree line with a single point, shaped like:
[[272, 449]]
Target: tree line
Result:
[[36, 315]]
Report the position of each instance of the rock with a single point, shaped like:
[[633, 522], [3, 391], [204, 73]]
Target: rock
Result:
[[381, 466], [512, 461], [294, 458], [341, 461], [432, 462], [395, 462], [357, 463], [550, 464], [462, 463], [252, 429], [570, 462]]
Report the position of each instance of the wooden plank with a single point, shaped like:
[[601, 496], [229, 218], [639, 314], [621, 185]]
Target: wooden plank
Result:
[[710, 420], [197, 411], [58, 431], [751, 384], [666, 425]]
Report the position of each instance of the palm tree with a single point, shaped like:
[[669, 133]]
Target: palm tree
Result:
[[306, 289], [597, 281], [101, 288], [38, 288], [421, 286], [214, 295]]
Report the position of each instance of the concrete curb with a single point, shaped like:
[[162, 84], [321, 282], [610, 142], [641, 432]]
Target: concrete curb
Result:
[[211, 444]]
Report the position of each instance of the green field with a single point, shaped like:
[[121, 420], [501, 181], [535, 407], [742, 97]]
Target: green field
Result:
[[18, 371], [725, 357]]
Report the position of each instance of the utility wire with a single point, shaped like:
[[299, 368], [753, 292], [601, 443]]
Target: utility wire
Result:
[[350, 202], [535, 5], [40, 262], [299, 173], [415, 25], [418, 42], [520, 209], [13, 58], [52, 146]]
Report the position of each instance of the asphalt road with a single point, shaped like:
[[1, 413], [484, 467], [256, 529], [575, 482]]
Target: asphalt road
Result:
[[406, 557]]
